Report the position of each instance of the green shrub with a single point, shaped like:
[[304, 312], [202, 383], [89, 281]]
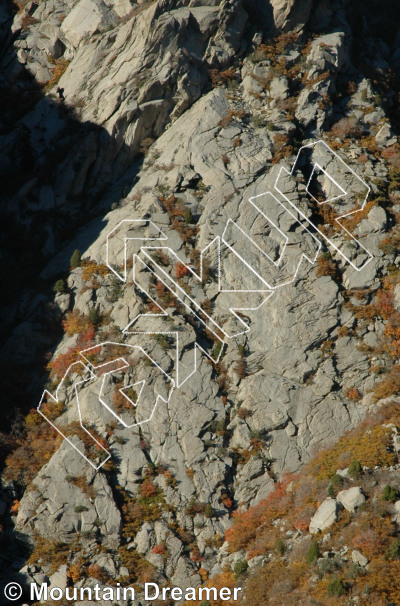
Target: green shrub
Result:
[[279, 546], [218, 427], [336, 480], [116, 289], [393, 551], [162, 341], [355, 470], [60, 287], [240, 567], [313, 553], [336, 588], [389, 494], [119, 440], [75, 260], [95, 316], [217, 349], [329, 565], [209, 511], [80, 508], [354, 571], [188, 216], [88, 534]]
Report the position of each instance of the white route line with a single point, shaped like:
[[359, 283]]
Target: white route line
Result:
[[276, 263], [216, 240], [55, 398], [163, 313], [176, 289], [352, 212], [344, 193], [125, 365], [144, 223]]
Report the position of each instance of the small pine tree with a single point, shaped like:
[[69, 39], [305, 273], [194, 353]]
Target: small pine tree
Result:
[[116, 290], [336, 588], [355, 470], [331, 491], [336, 480], [209, 511], [393, 551], [188, 216], [240, 567], [59, 287], [75, 260], [217, 349], [389, 494], [95, 316], [313, 553], [279, 546]]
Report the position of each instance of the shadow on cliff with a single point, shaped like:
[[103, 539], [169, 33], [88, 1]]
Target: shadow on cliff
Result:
[[54, 181], [52, 186]]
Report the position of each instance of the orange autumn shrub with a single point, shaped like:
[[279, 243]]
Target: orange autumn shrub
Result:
[[246, 524], [353, 394], [224, 579], [59, 366], [384, 581], [76, 323], [148, 489], [181, 270], [91, 268], [96, 572], [389, 386], [31, 453], [367, 444]]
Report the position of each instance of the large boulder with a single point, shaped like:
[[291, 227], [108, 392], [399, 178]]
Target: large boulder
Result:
[[85, 19], [351, 498], [359, 558], [325, 516], [397, 297], [291, 14]]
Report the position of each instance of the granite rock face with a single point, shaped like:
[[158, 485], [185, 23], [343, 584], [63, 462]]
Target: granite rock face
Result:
[[173, 113], [351, 499], [325, 516], [292, 15]]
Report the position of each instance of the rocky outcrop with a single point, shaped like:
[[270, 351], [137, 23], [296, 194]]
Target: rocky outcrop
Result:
[[291, 15], [325, 516], [351, 499], [176, 114], [69, 498]]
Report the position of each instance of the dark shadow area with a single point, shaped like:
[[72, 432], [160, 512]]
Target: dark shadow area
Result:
[[43, 144], [41, 139], [51, 193], [376, 34]]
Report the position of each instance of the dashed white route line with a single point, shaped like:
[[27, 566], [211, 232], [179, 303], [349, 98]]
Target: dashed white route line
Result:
[[197, 305], [164, 314]]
